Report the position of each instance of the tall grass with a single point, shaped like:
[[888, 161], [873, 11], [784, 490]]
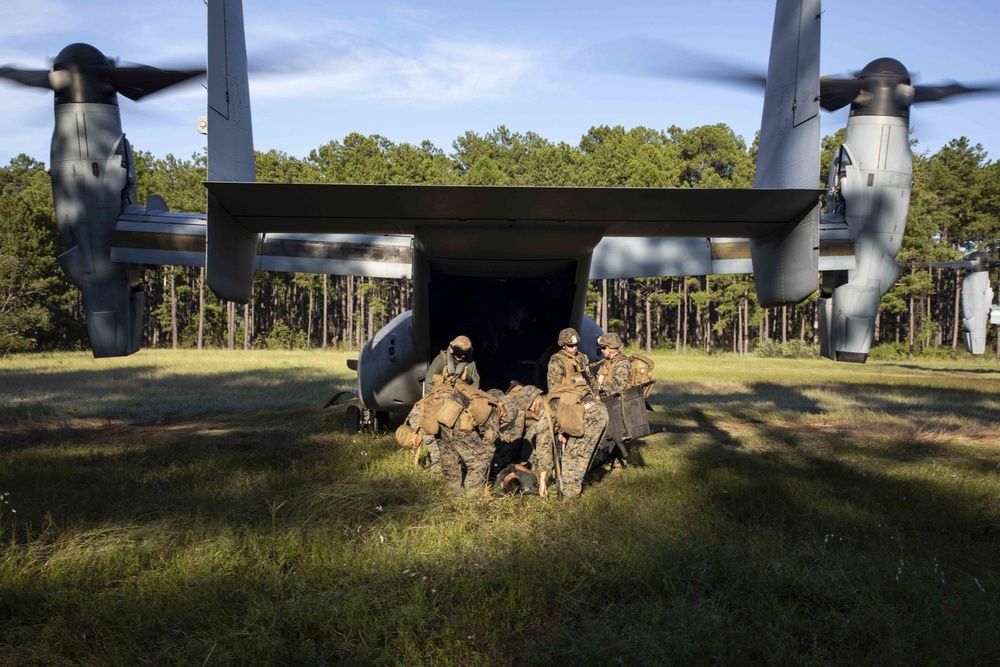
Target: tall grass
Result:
[[201, 508]]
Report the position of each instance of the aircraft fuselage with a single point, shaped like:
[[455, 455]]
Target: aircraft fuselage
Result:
[[509, 288]]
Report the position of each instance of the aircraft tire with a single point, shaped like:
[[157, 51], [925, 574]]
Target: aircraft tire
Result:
[[381, 422], [352, 419]]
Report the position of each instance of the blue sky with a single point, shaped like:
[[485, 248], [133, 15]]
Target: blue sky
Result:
[[438, 68]]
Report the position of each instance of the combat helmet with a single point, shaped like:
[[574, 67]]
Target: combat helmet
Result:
[[461, 346], [612, 340], [568, 336]]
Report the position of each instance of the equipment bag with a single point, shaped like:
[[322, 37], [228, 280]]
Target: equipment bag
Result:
[[642, 374]]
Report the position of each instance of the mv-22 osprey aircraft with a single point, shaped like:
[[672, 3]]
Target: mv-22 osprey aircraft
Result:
[[978, 308], [527, 253]]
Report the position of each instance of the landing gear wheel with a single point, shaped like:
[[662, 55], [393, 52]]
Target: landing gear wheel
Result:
[[381, 422], [352, 419]]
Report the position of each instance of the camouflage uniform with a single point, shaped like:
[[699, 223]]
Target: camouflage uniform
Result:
[[516, 407], [565, 367], [464, 447], [542, 433], [430, 442], [514, 444], [576, 455], [613, 375], [471, 448]]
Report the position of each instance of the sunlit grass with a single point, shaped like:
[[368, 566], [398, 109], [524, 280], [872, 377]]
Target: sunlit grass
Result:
[[201, 508]]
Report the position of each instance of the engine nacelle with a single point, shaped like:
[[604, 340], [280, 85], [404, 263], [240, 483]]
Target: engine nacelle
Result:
[[870, 191], [93, 178], [390, 369], [977, 299]]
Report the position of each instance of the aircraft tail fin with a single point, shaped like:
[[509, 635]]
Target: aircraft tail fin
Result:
[[231, 250], [786, 264]]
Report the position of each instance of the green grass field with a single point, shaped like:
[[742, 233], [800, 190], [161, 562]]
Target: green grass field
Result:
[[201, 508]]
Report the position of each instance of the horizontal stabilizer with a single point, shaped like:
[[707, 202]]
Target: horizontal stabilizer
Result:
[[401, 209]]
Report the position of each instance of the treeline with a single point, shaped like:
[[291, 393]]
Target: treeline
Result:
[[955, 209]]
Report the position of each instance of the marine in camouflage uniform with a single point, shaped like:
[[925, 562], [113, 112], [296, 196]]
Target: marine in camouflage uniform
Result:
[[456, 360], [569, 364], [615, 370], [453, 364], [430, 442], [471, 448], [517, 418], [542, 434], [569, 367], [575, 453]]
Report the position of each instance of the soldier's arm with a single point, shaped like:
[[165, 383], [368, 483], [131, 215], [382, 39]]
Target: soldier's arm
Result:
[[556, 372], [585, 371], [437, 365], [472, 376], [620, 374]]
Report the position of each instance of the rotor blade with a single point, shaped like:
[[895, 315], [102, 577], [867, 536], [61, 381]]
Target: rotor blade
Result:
[[141, 80], [642, 56], [836, 93], [935, 93], [27, 77]]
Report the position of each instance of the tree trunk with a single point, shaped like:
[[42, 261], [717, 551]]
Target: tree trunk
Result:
[[371, 321], [649, 328], [912, 327], [738, 330], [173, 309], [326, 304], [309, 319], [604, 304], [246, 325], [746, 326], [708, 317], [957, 315], [201, 308], [686, 315], [350, 312], [231, 324], [937, 310]]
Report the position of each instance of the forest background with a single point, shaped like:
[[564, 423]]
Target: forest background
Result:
[[955, 209]]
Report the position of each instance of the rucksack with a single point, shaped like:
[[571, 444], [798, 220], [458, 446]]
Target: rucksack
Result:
[[642, 373]]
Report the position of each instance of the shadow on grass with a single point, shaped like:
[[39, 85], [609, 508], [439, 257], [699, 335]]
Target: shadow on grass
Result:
[[943, 369], [978, 405], [815, 551], [763, 395], [149, 394], [785, 556]]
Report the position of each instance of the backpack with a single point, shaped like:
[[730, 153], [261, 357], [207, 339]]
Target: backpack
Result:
[[642, 373]]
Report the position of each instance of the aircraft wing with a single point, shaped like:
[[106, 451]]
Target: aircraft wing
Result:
[[401, 209], [178, 239], [642, 257]]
